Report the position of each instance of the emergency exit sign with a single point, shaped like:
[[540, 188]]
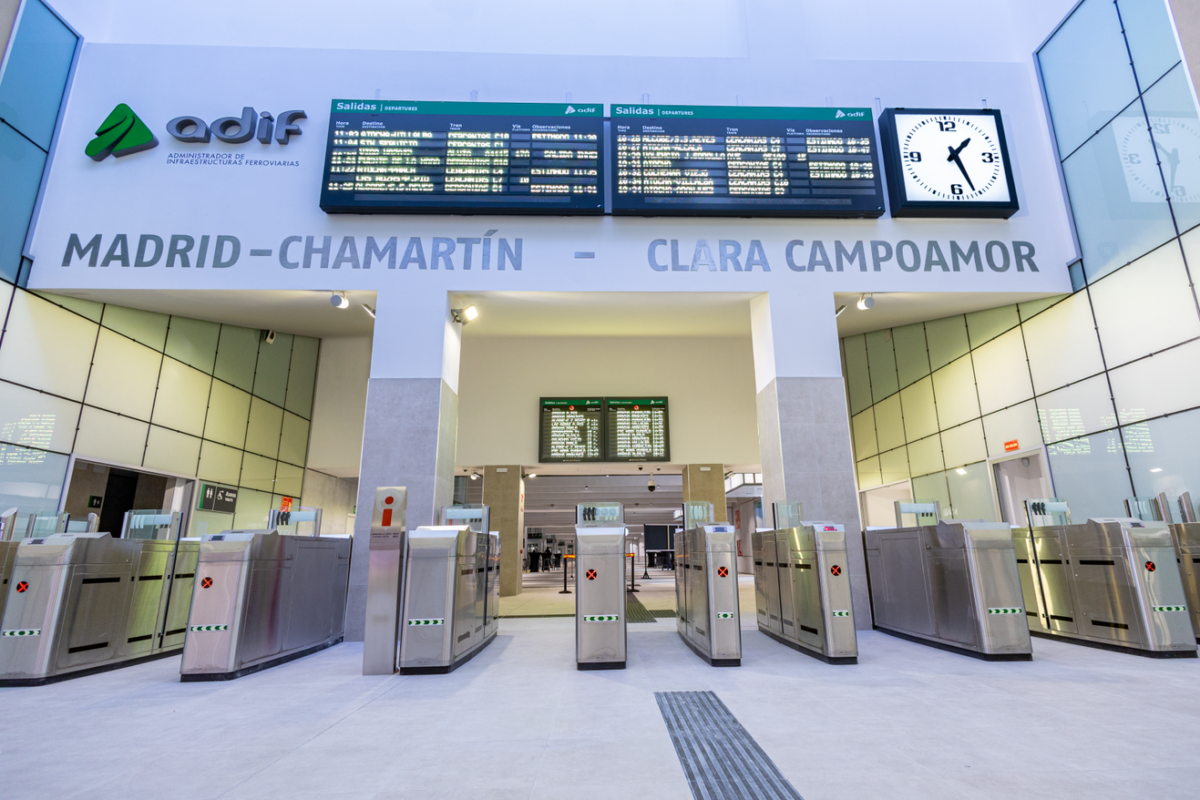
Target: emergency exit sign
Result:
[[1011, 446]]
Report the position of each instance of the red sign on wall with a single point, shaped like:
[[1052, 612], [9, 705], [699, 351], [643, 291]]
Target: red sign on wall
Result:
[[1011, 446], [285, 504]]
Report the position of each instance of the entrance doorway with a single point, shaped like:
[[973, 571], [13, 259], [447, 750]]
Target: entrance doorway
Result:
[[879, 504], [1017, 480], [110, 492]]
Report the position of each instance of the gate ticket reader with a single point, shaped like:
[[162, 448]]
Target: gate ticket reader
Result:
[[261, 599], [954, 586], [706, 593], [600, 634], [385, 574]]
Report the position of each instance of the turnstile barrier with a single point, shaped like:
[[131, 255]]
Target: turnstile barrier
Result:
[[706, 593], [1187, 553], [600, 621], [954, 586]]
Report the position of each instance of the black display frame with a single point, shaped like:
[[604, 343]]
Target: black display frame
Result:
[[543, 444], [609, 457]]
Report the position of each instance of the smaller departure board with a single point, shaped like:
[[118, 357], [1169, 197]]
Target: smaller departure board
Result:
[[636, 429], [432, 157], [571, 429], [744, 161]]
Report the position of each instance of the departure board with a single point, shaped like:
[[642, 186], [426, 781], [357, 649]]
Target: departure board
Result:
[[636, 429], [404, 157], [745, 161], [571, 429]]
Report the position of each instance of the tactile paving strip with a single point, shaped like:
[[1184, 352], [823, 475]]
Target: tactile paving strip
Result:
[[720, 759], [635, 611]]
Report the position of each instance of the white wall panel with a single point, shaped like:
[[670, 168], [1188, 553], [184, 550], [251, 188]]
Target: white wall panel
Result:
[[37, 419], [964, 444], [220, 463], [47, 347], [108, 437], [893, 465], [1019, 423], [182, 397], [868, 473], [258, 472], [1062, 344], [925, 456], [1158, 385], [865, 443], [889, 424], [1145, 307], [294, 439], [124, 375], [289, 480], [954, 390], [262, 434], [172, 452], [920, 412], [1075, 410], [228, 410], [1001, 372]]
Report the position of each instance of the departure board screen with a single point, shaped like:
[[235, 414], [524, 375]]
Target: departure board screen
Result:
[[636, 429], [404, 157], [745, 161], [572, 429]]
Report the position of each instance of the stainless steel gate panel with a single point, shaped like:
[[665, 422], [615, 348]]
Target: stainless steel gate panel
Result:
[[149, 591], [173, 629], [707, 591], [757, 547], [1187, 552], [600, 632], [905, 582], [1057, 580], [1035, 611], [8, 555], [429, 606]]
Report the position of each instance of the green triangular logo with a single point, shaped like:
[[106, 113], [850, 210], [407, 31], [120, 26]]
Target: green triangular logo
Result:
[[121, 134]]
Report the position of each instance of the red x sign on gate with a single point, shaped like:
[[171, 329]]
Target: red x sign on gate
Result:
[[1150, 566], [723, 572], [206, 583], [590, 575], [22, 587], [835, 570]]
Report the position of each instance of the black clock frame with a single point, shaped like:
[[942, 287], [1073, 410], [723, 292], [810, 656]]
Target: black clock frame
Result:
[[893, 169]]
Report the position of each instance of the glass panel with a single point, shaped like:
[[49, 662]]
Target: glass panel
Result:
[[146, 327], [205, 522], [271, 374], [193, 342], [236, 354], [1117, 195], [893, 465], [39, 60], [1151, 38], [84, 308], [1017, 424], [1085, 69], [182, 399], [1061, 344], [109, 437], [983, 326], [1176, 131], [889, 424], [36, 419], [172, 452], [1166, 383], [150, 523], [882, 362], [912, 355], [932, 487], [293, 441], [253, 508], [925, 456], [1001, 372], [1090, 474], [868, 473], [258, 472], [920, 413], [1146, 306], [864, 435], [124, 376], [1076, 410], [1035, 307], [228, 410], [970, 493], [954, 390], [21, 165], [289, 479], [262, 436], [964, 444], [1168, 461], [302, 378], [219, 463], [46, 347], [857, 374], [30, 480], [947, 340]]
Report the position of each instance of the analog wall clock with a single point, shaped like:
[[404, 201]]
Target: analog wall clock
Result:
[[947, 163]]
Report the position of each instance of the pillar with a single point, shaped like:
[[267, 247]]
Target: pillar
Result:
[[410, 430], [804, 422], [1187, 25], [504, 494], [706, 483]]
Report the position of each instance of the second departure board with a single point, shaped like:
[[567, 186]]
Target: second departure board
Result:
[[571, 429], [430, 157], [636, 429], [745, 161]]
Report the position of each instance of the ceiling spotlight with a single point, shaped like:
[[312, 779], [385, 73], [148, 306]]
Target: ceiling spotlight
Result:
[[865, 301], [531, 475], [369, 310], [839, 311], [339, 300], [474, 476], [464, 315]]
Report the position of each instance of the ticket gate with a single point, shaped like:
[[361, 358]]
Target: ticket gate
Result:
[[80, 603], [600, 633], [953, 585], [1187, 553], [448, 595], [1099, 583], [802, 590], [706, 593], [261, 599], [8, 552]]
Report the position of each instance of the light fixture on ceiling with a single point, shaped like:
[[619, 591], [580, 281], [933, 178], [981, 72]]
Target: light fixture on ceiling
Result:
[[531, 475], [339, 300], [866, 301], [839, 311], [464, 315], [369, 310], [474, 476]]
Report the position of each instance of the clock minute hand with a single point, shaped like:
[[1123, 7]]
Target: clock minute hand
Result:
[[954, 157]]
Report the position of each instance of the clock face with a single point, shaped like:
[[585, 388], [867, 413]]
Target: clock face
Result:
[[1176, 145], [952, 158]]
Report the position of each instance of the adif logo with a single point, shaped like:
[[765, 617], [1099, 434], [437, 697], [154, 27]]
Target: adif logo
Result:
[[236, 130], [570, 109], [839, 114], [122, 133]]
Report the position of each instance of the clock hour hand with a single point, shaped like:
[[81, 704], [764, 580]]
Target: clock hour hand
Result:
[[954, 151]]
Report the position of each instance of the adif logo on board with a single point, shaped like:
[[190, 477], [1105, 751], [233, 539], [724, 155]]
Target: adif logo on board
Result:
[[122, 133]]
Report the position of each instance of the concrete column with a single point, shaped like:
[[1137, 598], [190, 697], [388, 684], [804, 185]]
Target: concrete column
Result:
[[1187, 25], [706, 483], [804, 424], [410, 432], [504, 494]]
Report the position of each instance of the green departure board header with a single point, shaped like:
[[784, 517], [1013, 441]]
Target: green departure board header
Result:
[[470, 109], [640, 111]]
